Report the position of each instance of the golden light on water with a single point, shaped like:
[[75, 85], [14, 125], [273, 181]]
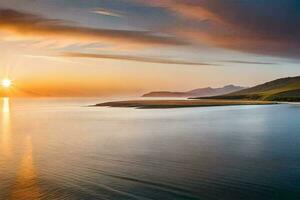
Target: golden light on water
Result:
[[5, 141], [26, 186], [5, 106]]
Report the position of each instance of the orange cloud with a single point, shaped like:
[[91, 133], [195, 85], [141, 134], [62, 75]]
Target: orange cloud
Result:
[[186, 9]]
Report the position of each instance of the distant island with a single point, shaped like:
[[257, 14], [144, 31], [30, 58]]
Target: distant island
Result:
[[283, 89], [199, 92]]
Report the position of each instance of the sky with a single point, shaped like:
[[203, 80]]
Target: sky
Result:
[[121, 47]]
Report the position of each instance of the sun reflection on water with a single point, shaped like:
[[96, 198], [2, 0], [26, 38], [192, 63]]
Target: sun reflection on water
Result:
[[6, 105], [6, 161], [26, 186], [5, 144]]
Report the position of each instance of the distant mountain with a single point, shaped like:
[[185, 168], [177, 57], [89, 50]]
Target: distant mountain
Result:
[[164, 94], [200, 92], [284, 89]]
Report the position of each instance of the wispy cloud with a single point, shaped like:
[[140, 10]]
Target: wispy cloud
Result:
[[50, 58], [132, 58], [107, 12], [249, 62], [27, 25]]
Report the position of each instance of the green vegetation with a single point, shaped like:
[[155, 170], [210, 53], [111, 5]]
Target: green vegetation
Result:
[[284, 89]]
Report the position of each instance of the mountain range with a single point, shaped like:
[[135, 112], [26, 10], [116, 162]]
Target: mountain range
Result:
[[199, 92]]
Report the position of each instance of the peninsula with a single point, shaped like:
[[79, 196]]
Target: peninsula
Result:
[[160, 104]]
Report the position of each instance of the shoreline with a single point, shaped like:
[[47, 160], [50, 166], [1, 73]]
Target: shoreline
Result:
[[167, 104]]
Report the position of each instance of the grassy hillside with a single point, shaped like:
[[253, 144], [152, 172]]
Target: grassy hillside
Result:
[[284, 89]]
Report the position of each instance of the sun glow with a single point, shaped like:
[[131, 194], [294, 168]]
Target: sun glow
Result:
[[6, 83]]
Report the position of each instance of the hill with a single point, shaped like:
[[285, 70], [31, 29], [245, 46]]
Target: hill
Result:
[[284, 89], [200, 92]]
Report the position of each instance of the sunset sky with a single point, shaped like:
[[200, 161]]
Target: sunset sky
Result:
[[113, 47]]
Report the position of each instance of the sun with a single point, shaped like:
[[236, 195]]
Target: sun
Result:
[[6, 83]]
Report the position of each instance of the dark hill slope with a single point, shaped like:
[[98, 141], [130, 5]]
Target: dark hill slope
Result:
[[284, 89]]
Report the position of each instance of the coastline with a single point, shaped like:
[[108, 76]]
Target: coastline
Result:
[[165, 104]]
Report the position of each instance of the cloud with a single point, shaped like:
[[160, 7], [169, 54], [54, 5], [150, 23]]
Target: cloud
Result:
[[131, 58], [106, 12], [270, 27], [27, 25], [273, 30], [185, 8], [249, 62]]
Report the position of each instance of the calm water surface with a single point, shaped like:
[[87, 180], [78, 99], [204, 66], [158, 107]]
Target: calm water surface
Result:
[[58, 149]]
